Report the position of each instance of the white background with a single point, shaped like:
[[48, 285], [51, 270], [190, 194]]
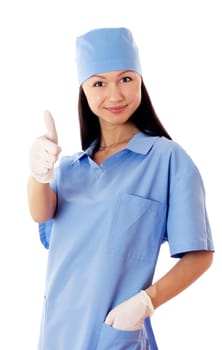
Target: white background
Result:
[[180, 49]]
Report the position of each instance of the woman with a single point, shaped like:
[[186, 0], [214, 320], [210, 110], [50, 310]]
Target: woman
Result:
[[104, 212]]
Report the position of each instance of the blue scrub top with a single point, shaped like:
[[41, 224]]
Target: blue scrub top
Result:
[[105, 239]]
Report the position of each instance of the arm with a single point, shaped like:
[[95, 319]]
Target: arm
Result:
[[42, 200], [130, 315], [188, 269]]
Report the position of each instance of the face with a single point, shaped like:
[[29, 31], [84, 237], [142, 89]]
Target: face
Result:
[[113, 96]]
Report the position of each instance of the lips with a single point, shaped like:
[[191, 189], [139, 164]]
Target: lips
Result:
[[116, 109]]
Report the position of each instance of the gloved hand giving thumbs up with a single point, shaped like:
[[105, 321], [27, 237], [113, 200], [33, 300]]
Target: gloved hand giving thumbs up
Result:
[[44, 152]]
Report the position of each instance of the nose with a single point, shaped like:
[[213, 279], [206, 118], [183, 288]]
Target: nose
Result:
[[114, 93]]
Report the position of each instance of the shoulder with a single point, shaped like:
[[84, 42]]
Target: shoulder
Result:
[[175, 151], [171, 155], [183, 171], [160, 148]]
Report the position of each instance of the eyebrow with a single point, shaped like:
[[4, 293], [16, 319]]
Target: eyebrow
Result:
[[121, 73]]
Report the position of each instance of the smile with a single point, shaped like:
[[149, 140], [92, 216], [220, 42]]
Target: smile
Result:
[[116, 109]]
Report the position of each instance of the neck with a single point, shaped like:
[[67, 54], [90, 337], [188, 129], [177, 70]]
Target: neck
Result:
[[117, 136], [115, 143]]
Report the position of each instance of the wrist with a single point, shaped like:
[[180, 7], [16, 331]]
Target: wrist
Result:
[[43, 178], [146, 299]]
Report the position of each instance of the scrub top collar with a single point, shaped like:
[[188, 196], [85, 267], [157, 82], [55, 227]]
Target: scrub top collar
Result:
[[140, 143]]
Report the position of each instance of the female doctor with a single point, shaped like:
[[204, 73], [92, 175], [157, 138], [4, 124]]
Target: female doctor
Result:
[[103, 213]]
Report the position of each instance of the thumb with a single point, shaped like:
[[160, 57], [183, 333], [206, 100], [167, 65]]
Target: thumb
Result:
[[51, 132], [109, 319]]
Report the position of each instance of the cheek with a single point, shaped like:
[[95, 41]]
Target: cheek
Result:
[[134, 94], [94, 102], [135, 97]]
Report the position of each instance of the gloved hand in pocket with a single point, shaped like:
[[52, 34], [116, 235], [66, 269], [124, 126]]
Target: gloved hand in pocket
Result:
[[131, 314]]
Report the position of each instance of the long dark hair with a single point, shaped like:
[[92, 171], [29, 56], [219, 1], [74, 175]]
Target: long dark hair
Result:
[[144, 118]]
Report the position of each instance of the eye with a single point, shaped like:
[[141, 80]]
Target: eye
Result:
[[126, 79], [98, 84]]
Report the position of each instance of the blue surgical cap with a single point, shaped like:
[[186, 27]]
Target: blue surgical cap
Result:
[[105, 50]]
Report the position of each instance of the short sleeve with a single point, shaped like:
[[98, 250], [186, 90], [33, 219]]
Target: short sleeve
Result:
[[188, 226], [45, 229]]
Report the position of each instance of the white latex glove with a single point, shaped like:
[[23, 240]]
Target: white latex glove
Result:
[[130, 315], [44, 152]]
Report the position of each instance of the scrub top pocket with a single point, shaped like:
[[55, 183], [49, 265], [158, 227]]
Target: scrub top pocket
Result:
[[138, 227], [114, 339]]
